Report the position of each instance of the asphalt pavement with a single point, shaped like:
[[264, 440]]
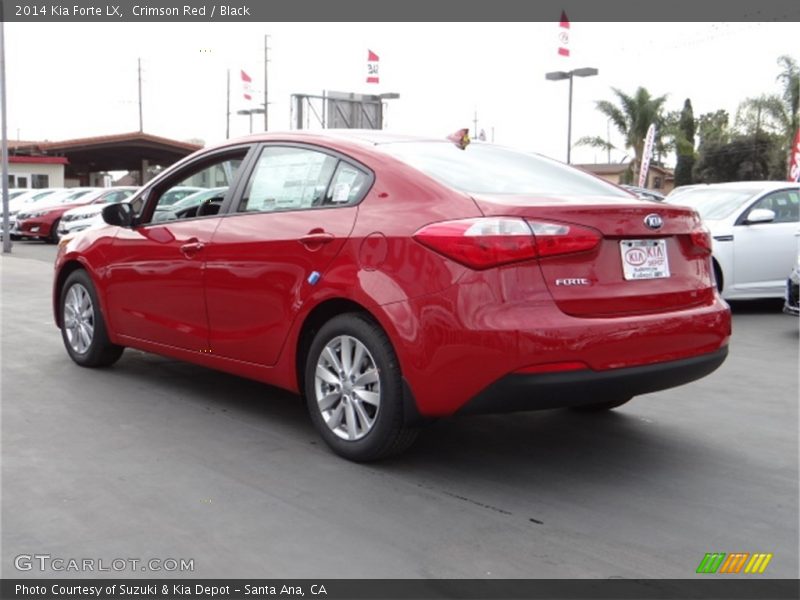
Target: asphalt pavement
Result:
[[154, 458]]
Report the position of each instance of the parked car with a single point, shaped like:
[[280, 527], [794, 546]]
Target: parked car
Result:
[[644, 193], [17, 192], [753, 226], [184, 208], [40, 219], [392, 280], [82, 217], [22, 200]]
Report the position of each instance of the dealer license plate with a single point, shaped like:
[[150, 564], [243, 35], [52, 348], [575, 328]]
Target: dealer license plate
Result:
[[644, 259]]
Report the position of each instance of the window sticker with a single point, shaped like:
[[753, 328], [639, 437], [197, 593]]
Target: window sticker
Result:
[[341, 192]]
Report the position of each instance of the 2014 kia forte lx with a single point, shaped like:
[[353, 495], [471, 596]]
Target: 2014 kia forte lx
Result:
[[393, 279]]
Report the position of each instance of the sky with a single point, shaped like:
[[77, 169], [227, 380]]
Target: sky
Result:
[[77, 80]]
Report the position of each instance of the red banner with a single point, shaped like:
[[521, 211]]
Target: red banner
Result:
[[563, 35], [247, 88], [794, 164], [372, 67]]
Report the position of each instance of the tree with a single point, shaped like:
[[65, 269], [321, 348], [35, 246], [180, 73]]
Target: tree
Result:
[[790, 78], [684, 145], [744, 158], [712, 128], [775, 113], [632, 117]]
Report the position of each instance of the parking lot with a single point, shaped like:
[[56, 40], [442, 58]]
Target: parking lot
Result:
[[158, 459]]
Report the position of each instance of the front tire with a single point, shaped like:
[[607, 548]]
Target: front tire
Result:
[[83, 328], [53, 237], [354, 390]]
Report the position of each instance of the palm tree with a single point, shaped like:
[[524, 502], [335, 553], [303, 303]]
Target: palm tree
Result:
[[790, 78], [775, 113], [632, 118]]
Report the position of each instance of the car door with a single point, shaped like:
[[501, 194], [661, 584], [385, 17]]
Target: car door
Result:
[[764, 253], [155, 274], [295, 214]]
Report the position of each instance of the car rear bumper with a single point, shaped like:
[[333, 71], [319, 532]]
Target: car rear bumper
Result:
[[518, 392], [455, 345]]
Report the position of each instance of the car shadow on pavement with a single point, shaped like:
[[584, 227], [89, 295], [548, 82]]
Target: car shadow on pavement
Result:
[[541, 444]]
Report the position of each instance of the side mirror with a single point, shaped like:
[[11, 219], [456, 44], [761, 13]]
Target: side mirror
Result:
[[120, 214], [760, 215]]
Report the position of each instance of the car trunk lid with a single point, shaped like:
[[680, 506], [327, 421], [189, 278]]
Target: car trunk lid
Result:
[[635, 268]]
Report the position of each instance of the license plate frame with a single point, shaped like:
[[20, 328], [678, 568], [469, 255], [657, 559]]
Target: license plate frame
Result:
[[644, 259]]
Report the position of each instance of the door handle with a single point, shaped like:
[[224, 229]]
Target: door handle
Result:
[[189, 249], [317, 238]]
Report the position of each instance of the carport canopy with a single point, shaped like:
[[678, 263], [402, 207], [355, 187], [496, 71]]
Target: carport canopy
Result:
[[121, 152]]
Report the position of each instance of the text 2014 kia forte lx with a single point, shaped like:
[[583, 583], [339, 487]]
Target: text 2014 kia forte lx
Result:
[[393, 279]]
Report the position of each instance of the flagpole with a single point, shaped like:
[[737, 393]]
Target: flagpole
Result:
[[266, 83], [6, 234], [228, 114]]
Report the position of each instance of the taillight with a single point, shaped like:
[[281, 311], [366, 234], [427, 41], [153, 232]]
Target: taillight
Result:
[[483, 243], [563, 238], [480, 243], [701, 241]]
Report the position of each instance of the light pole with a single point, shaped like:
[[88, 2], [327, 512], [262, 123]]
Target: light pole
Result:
[[559, 75]]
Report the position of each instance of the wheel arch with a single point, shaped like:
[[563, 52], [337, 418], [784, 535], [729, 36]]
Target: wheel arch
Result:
[[719, 276], [324, 312], [65, 270], [316, 318]]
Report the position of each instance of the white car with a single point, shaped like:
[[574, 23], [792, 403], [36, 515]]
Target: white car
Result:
[[82, 217], [754, 227]]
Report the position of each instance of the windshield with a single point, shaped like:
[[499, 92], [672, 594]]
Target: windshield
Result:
[[713, 203], [488, 169]]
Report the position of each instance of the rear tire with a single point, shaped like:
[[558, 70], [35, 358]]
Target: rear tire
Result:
[[83, 328], [601, 406], [354, 390]]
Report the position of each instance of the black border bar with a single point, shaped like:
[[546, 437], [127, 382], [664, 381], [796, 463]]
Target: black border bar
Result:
[[131, 11], [705, 587]]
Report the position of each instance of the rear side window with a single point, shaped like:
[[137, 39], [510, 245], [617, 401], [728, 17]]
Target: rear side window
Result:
[[288, 178], [487, 169]]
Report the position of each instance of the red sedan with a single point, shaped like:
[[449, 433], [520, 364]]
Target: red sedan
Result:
[[391, 280], [40, 221]]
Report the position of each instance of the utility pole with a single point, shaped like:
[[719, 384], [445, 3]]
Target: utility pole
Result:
[[228, 113], [6, 234], [266, 83], [141, 126], [475, 124]]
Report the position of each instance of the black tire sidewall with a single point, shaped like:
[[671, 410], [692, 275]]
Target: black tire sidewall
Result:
[[52, 238], [390, 414]]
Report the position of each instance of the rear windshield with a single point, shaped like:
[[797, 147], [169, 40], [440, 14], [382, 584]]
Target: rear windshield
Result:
[[488, 169]]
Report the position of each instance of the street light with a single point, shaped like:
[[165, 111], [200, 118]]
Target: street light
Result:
[[559, 75]]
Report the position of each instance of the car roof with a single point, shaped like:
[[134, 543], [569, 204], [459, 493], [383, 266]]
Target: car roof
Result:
[[745, 185], [371, 137]]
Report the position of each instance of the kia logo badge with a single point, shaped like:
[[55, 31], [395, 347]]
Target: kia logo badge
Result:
[[653, 221]]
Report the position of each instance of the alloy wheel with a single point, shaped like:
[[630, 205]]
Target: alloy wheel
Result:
[[347, 387], [79, 318]]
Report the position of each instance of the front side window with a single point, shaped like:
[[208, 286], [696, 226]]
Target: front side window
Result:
[[288, 178], [785, 204], [193, 181]]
